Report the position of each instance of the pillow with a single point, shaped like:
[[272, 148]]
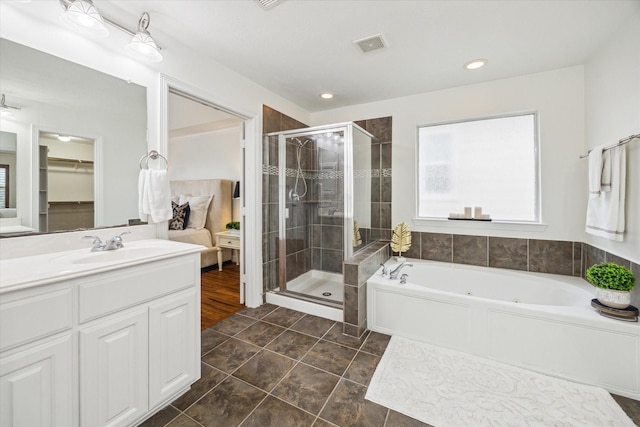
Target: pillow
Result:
[[199, 206], [180, 216]]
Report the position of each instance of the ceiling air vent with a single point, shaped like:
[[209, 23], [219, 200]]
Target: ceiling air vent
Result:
[[268, 4], [371, 43]]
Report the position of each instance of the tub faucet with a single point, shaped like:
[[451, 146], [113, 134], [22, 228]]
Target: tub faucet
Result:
[[394, 273], [385, 270], [115, 242]]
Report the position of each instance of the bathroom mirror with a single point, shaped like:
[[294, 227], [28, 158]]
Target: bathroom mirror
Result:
[[61, 98], [8, 144]]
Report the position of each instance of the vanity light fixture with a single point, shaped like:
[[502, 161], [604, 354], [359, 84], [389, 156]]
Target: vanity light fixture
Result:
[[326, 95], [83, 14], [142, 44], [475, 64], [5, 110]]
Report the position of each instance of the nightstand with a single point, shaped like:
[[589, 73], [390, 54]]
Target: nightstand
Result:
[[225, 239]]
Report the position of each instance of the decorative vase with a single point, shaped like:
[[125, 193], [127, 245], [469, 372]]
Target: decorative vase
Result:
[[400, 259], [612, 298]]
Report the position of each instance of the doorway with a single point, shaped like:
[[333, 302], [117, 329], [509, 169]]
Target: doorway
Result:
[[67, 182], [205, 141]]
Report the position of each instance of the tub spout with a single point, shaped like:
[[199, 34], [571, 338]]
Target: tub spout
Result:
[[394, 273]]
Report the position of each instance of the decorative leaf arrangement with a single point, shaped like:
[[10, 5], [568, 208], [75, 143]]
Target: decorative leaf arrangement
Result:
[[357, 239], [608, 275], [401, 238]]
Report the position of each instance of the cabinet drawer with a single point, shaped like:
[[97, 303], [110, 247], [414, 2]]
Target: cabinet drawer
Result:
[[113, 291], [30, 318], [230, 242]]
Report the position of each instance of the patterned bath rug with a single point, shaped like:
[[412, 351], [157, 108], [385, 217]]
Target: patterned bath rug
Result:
[[447, 388]]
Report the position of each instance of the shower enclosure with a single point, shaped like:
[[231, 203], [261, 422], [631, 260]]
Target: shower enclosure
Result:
[[319, 192]]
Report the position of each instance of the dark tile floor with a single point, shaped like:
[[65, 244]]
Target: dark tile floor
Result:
[[272, 366]]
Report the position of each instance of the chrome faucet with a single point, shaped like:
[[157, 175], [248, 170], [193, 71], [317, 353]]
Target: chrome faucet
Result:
[[385, 270], [394, 273], [115, 242], [97, 243], [110, 245]]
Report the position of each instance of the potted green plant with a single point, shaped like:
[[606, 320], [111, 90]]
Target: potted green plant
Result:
[[613, 283], [233, 226]]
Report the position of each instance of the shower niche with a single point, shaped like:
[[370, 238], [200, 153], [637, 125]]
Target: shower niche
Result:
[[319, 196]]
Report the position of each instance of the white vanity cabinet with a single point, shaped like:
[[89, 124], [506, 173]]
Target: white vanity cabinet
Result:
[[105, 349], [36, 358]]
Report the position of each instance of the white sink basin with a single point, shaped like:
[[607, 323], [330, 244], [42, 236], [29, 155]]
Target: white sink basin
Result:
[[128, 253], [123, 254], [20, 272]]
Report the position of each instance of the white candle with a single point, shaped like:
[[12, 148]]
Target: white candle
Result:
[[477, 212], [467, 212]]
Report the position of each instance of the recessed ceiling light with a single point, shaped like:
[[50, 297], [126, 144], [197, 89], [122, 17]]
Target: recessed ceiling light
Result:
[[326, 95], [475, 64], [64, 138]]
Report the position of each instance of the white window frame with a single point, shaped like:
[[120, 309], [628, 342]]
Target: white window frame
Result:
[[535, 225]]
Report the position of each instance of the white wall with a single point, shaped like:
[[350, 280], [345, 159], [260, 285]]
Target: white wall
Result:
[[69, 182], [557, 96], [612, 93], [213, 155]]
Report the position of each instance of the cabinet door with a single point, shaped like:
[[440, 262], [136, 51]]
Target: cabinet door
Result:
[[174, 345], [113, 370], [36, 385]]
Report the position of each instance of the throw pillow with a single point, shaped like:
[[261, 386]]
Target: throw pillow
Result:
[[199, 207], [180, 216]]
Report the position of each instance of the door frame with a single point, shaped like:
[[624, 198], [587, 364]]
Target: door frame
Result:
[[251, 191]]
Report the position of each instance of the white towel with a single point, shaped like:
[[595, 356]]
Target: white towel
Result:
[[605, 209], [154, 202], [605, 176], [595, 170], [143, 205]]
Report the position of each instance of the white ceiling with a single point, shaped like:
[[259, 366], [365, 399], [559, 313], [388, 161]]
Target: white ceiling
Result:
[[301, 48]]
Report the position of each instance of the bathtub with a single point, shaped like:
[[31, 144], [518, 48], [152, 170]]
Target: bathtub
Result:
[[541, 322]]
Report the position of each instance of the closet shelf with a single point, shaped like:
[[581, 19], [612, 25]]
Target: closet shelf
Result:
[[73, 161]]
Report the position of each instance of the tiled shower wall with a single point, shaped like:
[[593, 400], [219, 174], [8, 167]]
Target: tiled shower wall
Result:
[[315, 241], [274, 121]]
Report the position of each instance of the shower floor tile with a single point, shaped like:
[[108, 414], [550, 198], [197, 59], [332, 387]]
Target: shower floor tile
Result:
[[318, 284]]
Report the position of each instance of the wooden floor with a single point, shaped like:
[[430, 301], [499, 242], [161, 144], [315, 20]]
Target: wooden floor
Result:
[[220, 292]]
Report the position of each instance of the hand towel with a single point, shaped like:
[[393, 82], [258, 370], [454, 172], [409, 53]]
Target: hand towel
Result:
[[154, 201], [595, 170], [605, 176], [605, 210], [143, 206]]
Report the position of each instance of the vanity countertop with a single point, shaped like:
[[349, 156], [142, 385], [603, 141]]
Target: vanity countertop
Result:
[[37, 270]]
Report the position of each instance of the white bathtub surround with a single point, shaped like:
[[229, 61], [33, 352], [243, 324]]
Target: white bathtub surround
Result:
[[538, 321], [444, 387]]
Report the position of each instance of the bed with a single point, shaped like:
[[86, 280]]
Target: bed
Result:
[[216, 216]]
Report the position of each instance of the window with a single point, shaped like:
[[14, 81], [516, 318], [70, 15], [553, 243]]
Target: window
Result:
[[4, 186], [488, 162]]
